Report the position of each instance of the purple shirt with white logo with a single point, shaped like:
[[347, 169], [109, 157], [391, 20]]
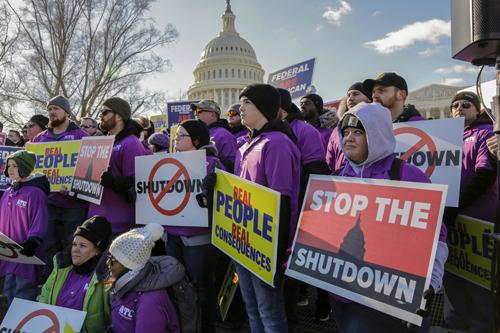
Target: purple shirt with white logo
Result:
[[145, 312], [73, 290], [73, 132]]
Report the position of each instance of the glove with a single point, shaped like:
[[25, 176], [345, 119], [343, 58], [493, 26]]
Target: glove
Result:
[[29, 247], [107, 178], [202, 200], [428, 296], [208, 183]]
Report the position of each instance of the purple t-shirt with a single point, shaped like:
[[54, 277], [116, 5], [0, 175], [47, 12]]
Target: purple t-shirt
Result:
[[225, 143], [72, 133], [212, 163], [73, 290], [114, 207], [308, 138], [474, 158], [146, 312], [325, 135], [23, 214], [271, 159]]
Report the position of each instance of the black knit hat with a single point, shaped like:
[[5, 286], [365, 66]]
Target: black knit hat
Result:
[[61, 102], [316, 99], [265, 97], [350, 120], [96, 229], [40, 120], [468, 96], [119, 106], [198, 131], [359, 87], [25, 161], [286, 99]]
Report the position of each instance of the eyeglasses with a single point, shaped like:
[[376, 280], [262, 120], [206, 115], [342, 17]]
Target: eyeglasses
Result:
[[465, 105], [232, 113], [89, 126], [180, 136], [103, 112]]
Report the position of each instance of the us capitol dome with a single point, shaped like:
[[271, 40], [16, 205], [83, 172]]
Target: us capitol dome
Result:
[[228, 64]]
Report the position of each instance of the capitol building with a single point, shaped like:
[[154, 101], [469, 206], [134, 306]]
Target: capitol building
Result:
[[228, 64]]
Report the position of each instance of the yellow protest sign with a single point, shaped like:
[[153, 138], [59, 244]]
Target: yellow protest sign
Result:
[[160, 122], [57, 160], [173, 133], [470, 252], [246, 224]]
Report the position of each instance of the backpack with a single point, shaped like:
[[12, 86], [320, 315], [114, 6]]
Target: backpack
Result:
[[185, 299], [394, 172]]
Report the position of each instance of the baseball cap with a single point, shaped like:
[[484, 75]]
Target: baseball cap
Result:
[[207, 105], [386, 79]]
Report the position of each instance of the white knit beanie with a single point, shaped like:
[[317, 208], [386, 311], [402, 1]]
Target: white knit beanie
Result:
[[133, 249]]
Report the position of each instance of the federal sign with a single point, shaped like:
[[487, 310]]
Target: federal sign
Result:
[[435, 147], [166, 187], [295, 78], [179, 111]]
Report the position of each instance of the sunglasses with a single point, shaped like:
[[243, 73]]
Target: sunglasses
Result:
[[104, 112], [232, 113], [30, 125], [465, 105], [199, 111], [89, 126]]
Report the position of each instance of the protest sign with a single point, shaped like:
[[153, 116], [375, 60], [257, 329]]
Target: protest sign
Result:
[[166, 187], [160, 122], [29, 316], [93, 160], [246, 224], [227, 290], [5, 152], [3, 137], [57, 160], [470, 251], [296, 78], [173, 133], [9, 251], [179, 111], [368, 240], [435, 147]]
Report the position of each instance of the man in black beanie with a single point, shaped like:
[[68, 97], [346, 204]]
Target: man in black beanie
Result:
[[117, 204], [270, 159], [356, 94], [314, 114]]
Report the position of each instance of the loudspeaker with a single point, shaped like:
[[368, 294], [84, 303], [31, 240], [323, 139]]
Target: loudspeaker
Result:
[[475, 31]]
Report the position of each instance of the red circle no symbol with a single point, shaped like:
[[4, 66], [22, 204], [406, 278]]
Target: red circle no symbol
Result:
[[55, 328], [424, 140], [13, 254], [156, 200]]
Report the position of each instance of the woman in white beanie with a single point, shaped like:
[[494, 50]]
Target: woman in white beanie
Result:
[[139, 299]]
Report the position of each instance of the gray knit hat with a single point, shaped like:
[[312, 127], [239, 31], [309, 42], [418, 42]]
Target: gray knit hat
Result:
[[61, 102], [133, 249]]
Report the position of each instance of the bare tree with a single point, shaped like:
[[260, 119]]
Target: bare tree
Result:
[[86, 50]]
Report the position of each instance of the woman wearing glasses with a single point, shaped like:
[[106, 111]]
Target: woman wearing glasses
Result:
[[470, 307], [76, 282]]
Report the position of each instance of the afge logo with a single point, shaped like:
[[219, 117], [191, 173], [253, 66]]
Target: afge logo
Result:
[[470, 139], [126, 312], [22, 203]]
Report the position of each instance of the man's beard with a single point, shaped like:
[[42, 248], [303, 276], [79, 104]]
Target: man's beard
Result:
[[107, 125], [53, 123]]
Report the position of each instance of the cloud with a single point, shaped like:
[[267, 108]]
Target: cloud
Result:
[[431, 51], [377, 13], [457, 69], [429, 32], [334, 15], [452, 81]]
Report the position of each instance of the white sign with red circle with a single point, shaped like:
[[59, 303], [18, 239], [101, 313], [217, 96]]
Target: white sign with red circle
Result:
[[166, 187]]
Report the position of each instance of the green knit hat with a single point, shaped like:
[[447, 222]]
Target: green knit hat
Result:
[[25, 161]]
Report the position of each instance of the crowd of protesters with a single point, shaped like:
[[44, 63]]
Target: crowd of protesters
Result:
[[99, 261]]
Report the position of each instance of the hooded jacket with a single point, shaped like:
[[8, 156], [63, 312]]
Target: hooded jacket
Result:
[[73, 132], [140, 302], [23, 215], [376, 120], [114, 205]]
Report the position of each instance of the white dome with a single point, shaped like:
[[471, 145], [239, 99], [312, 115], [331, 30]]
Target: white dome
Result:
[[227, 64]]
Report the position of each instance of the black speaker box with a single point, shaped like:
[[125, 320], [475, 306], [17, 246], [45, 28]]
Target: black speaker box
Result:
[[475, 31]]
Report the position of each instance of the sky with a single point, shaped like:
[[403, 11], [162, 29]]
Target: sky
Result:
[[351, 40]]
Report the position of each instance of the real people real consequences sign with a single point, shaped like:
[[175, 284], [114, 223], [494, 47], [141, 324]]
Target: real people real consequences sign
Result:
[[370, 241]]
